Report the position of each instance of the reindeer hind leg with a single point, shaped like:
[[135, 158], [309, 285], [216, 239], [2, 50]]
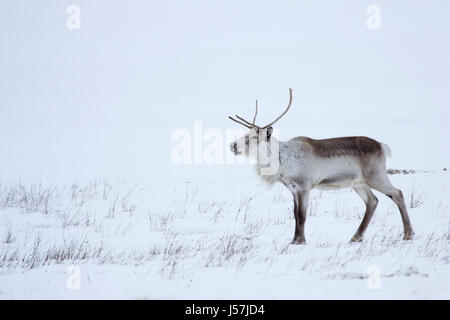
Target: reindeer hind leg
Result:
[[371, 203], [382, 184]]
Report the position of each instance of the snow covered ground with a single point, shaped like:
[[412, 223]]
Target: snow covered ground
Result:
[[101, 104], [228, 240]]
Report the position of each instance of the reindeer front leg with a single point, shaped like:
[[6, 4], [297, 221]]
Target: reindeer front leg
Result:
[[301, 198]]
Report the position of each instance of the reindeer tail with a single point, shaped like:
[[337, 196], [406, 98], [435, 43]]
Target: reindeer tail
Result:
[[386, 150]]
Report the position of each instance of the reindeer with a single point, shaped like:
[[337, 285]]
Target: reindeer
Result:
[[304, 163]]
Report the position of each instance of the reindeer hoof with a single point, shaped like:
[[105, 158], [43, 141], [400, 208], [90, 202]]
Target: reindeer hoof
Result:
[[298, 241], [408, 236], [356, 239]]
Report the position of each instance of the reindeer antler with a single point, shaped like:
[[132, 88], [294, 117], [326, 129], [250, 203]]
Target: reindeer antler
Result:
[[256, 112], [251, 125], [289, 105], [246, 123]]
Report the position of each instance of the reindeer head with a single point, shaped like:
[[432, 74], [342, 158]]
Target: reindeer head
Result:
[[257, 137]]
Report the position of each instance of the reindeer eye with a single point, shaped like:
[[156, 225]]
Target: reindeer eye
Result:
[[247, 140]]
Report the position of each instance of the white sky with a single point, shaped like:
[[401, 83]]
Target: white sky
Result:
[[104, 100]]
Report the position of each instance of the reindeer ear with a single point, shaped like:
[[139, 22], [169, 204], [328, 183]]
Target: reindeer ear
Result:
[[269, 132]]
